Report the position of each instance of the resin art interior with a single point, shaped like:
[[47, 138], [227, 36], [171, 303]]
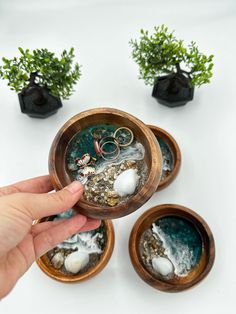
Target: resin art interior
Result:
[[171, 247], [167, 156], [80, 252], [109, 161]]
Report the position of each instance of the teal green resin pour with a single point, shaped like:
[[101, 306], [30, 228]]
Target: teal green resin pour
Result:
[[101, 172], [92, 243], [181, 240], [168, 157], [101, 229], [82, 142]]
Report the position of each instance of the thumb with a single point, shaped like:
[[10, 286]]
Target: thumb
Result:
[[43, 205]]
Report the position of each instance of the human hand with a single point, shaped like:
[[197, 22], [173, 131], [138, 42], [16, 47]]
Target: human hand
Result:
[[21, 241]]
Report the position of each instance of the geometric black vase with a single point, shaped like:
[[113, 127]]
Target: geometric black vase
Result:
[[173, 90], [36, 101], [34, 110]]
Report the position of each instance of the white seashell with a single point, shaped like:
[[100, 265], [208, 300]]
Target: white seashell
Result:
[[76, 261], [84, 160], [57, 260], [162, 265], [126, 182], [87, 171]]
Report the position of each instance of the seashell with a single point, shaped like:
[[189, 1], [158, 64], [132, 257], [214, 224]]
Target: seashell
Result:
[[162, 265], [57, 260], [86, 159], [86, 171], [126, 182], [76, 261]]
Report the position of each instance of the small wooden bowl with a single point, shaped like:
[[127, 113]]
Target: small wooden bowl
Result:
[[45, 265], [153, 158], [166, 137], [198, 273]]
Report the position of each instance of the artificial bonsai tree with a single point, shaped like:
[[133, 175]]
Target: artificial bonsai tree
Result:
[[40, 79], [170, 67]]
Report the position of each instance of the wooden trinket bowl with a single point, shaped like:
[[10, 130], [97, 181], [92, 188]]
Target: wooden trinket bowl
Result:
[[170, 141], [153, 159], [45, 265], [195, 275]]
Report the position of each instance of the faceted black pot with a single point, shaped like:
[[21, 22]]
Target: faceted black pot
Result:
[[173, 90], [37, 102]]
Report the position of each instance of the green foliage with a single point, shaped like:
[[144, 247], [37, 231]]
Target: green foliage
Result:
[[57, 74], [161, 53]]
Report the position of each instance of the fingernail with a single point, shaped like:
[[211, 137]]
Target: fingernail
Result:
[[74, 187]]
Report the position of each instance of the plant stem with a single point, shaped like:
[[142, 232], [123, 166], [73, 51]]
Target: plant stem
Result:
[[178, 68]]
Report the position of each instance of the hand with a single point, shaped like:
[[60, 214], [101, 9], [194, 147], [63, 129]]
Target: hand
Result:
[[21, 241]]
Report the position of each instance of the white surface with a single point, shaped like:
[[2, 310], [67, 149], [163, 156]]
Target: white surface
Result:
[[204, 128]]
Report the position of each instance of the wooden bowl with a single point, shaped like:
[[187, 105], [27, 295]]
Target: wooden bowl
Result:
[[198, 273], [45, 265], [170, 141], [153, 158]]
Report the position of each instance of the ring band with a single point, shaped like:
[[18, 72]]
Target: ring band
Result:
[[111, 139], [97, 147], [112, 158], [109, 142], [127, 129], [107, 139]]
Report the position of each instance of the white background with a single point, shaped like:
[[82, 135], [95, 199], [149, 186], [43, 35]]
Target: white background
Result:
[[204, 128]]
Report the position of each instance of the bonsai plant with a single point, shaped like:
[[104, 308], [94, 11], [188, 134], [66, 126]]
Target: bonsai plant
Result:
[[172, 68], [40, 79]]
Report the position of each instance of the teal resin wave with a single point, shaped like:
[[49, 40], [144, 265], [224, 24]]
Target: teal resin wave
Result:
[[82, 142], [168, 157], [181, 240]]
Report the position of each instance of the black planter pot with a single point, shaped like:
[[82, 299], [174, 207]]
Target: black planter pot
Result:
[[36, 101], [173, 90], [39, 103]]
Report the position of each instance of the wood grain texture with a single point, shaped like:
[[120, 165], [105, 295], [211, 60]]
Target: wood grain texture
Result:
[[208, 250], [176, 151], [45, 265], [142, 133]]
